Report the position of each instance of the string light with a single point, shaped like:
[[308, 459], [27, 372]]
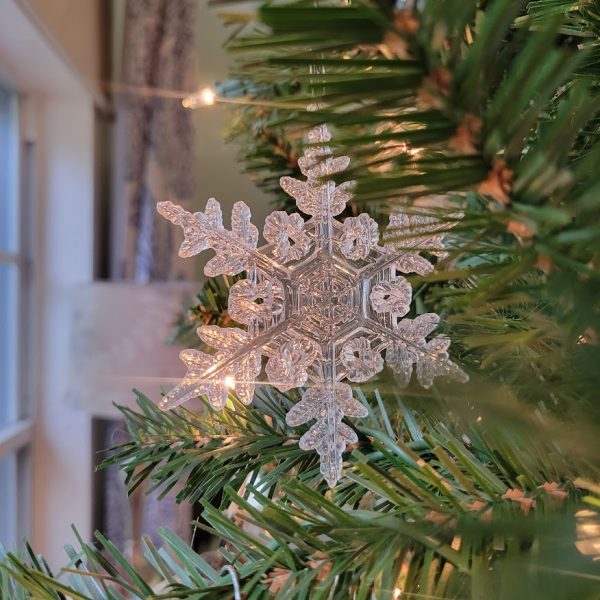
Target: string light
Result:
[[205, 97], [229, 381], [208, 97]]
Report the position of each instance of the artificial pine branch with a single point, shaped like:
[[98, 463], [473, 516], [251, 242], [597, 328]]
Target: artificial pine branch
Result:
[[406, 457], [414, 486], [501, 109]]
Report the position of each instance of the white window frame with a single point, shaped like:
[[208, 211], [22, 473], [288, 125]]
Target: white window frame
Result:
[[58, 107], [16, 436]]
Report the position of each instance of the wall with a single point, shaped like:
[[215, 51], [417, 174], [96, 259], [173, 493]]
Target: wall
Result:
[[219, 170], [74, 29], [62, 460]]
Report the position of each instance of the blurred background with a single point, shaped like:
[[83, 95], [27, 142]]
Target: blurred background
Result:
[[92, 134]]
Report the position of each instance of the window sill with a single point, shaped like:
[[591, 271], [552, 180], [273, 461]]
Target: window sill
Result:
[[15, 436]]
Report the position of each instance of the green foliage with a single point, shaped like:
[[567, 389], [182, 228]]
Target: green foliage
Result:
[[100, 571], [467, 97], [205, 450], [425, 505]]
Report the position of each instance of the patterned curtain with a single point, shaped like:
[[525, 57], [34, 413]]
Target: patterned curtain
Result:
[[154, 154], [154, 137]]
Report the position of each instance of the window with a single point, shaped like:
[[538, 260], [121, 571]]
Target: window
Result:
[[15, 298]]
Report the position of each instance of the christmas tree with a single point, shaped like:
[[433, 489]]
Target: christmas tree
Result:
[[472, 130]]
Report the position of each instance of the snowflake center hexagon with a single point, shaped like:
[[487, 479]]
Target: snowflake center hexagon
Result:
[[326, 298], [322, 301]]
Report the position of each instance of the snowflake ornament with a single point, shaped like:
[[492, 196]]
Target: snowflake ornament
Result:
[[323, 301]]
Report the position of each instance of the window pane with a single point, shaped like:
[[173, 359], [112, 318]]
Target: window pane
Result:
[[9, 283], [8, 506], [9, 171]]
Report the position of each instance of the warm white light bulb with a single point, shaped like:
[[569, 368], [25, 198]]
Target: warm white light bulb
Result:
[[207, 96], [229, 381]]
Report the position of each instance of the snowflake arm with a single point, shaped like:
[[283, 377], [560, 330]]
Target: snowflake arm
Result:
[[235, 250], [223, 365], [409, 234], [408, 348], [286, 233], [328, 404], [315, 196], [194, 383]]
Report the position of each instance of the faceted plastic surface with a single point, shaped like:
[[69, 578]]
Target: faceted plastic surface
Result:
[[323, 301]]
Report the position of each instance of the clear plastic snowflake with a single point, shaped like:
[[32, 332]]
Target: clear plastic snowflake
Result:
[[323, 300]]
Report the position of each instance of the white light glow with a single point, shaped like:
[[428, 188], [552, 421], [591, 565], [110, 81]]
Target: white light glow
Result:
[[205, 97]]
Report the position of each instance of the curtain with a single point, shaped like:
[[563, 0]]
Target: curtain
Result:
[[153, 161], [154, 137]]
